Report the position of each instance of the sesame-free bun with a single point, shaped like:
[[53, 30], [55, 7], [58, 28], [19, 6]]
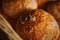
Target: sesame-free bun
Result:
[[13, 7]]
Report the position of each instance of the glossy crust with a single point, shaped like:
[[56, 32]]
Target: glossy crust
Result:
[[39, 26]]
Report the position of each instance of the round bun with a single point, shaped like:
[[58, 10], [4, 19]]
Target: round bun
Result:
[[13, 7], [54, 9], [38, 25]]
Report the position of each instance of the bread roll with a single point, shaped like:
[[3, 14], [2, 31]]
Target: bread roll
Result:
[[54, 9], [13, 7], [38, 25]]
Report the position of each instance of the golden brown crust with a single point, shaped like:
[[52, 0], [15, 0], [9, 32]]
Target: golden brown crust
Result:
[[40, 26], [13, 7], [55, 11]]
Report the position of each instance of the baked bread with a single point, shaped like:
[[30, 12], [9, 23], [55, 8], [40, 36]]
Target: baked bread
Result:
[[54, 9], [13, 7], [38, 25]]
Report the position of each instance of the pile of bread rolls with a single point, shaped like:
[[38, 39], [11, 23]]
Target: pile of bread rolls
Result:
[[32, 22]]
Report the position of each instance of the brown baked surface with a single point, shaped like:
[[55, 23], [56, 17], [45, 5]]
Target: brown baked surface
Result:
[[38, 25]]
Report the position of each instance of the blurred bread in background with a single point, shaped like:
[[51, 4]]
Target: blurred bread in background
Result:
[[13, 7]]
